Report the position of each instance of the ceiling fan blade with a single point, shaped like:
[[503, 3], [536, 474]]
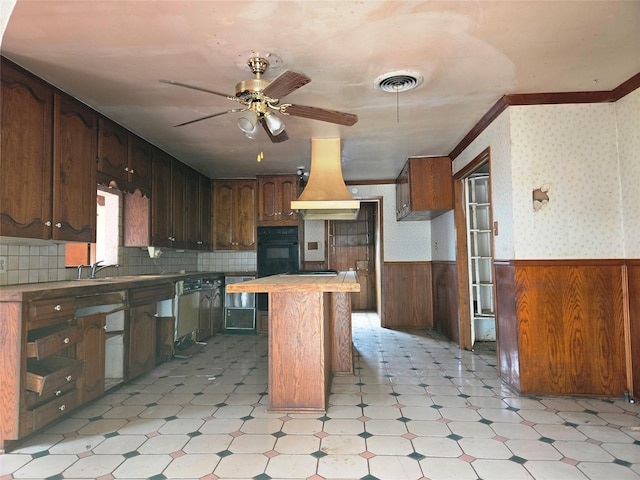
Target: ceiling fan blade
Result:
[[285, 83], [281, 137], [179, 84], [322, 114], [234, 110]]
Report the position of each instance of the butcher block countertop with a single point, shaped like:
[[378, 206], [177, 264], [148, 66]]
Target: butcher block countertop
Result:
[[303, 282]]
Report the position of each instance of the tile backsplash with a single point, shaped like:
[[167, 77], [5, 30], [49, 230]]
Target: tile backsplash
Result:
[[45, 262]]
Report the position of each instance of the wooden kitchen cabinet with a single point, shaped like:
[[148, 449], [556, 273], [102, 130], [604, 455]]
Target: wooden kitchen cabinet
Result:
[[141, 336], [91, 351], [275, 194], [142, 339], [234, 214], [168, 217], [198, 211], [424, 188], [123, 158], [74, 170], [26, 136]]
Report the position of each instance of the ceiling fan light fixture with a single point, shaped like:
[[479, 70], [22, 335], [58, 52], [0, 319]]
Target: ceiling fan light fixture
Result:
[[253, 133], [248, 121], [275, 125]]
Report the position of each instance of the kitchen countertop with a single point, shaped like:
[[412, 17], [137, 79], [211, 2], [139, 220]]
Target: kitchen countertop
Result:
[[341, 282], [86, 286]]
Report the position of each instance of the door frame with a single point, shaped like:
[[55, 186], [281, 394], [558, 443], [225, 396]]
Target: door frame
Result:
[[462, 251], [379, 248]]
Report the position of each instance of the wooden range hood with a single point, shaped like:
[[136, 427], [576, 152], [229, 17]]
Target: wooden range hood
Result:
[[326, 196]]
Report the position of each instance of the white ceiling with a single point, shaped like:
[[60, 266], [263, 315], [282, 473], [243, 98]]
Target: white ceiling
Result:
[[111, 54]]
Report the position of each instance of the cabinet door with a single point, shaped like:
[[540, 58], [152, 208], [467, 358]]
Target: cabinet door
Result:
[[244, 216], [288, 191], [204, 242], [223, 215], [26, 155], [112, 153], [142, 339], [140, 158], [402, 193], [192, 209], [91, 351], [74, 170], [161, 200], [267, 201], [178, 206]]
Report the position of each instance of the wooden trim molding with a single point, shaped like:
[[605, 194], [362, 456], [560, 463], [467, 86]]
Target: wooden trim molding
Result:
[[520, 99]]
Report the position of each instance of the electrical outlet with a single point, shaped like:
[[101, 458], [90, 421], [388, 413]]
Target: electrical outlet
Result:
[[3, 264]]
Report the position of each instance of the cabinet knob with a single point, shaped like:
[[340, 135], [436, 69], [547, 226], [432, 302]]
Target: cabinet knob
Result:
[[131, 171], [48, 223], [58, 225], [57, 308], [68, 378], [62, 408], [199, 242], [66, 340], [57, 393], [126, 169]]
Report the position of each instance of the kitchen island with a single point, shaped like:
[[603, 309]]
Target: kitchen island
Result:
[[309, 335]]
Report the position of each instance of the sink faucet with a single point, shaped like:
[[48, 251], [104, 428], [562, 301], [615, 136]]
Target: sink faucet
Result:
[[96, 267]]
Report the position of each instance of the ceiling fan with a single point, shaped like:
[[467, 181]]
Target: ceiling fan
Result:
[[261, 98]]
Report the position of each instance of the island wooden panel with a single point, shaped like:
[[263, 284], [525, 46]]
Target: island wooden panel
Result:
[[309, 335], [341, 337], [299, 366]]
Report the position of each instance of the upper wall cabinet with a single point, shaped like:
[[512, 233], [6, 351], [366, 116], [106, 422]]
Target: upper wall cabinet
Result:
[[234, 214], [275, 194], [26, 136], [424, 188], [75, 128], [123, 158]]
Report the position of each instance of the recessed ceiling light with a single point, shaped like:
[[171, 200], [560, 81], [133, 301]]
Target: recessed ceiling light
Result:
[[398, 81]]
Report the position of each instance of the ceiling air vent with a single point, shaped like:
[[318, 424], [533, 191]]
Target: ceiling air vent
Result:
[[400, 81]]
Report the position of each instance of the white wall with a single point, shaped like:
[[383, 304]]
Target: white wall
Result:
[[403, 241]]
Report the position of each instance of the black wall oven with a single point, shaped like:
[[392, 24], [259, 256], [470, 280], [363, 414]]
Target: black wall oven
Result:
[[278, 252]]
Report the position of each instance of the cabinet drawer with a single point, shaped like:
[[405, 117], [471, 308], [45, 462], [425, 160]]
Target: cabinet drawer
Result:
[[50, 411], [33, 399], [46, 376], [47, 312], [47, 341]]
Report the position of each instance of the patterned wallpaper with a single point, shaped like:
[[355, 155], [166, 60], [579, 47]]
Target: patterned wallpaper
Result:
[[588, 155], [572, 149], [628, 122]]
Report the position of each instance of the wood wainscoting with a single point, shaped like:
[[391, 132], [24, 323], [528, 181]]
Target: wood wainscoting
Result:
[[633, 275], [445, 299], [407, 295], [561, 326]]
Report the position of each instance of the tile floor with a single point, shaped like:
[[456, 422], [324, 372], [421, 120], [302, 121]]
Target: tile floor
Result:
[[417, 408]]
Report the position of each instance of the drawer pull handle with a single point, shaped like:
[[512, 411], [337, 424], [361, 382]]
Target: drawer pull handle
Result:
[[66, 340], [68, 378], [62, 408], [58, 392], [57, 308]]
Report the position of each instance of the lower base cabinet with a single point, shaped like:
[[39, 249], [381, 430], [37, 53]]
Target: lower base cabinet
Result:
[[142, 340], [91, 351], [53, 361]]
